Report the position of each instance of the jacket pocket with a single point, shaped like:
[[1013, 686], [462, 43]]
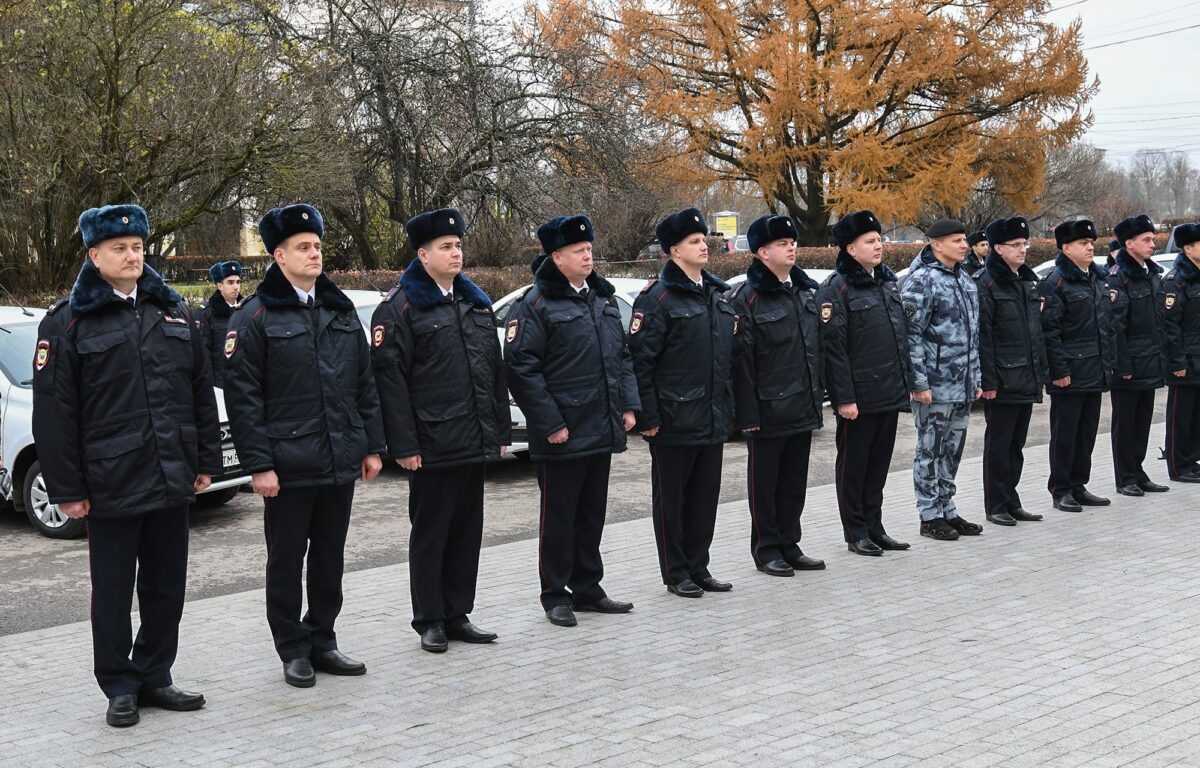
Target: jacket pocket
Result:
[[116, 467], [1147, 367], [297, 445], [289, 345], [774, 329], [1017, 377], [684, 408], [441, 427], [786, 403]]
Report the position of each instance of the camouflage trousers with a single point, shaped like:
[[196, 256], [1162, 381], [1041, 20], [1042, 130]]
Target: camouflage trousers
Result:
[[941, 435]]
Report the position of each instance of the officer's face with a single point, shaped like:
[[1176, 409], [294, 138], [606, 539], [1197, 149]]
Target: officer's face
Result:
[[442, 257], [299, 257], [574, 261], [1141, 247], [1080, 252], [952, 248], [778, 256], [1192, 251], [692, 251], [119, 259], [230, 287], [867, 250], [1013, 252], [980, 249]]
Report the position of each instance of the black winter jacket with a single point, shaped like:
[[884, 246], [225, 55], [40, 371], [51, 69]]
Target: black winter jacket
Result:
[[681, 338], [1181, 301], [777, 357], [213, 321], [439, 372], [864, 338], [568, 366], [1139, 323], [124, 412], [299, 387], [1077, 327], [1012, 355]]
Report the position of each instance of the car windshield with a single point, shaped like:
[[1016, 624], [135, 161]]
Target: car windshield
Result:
[[17, 341]]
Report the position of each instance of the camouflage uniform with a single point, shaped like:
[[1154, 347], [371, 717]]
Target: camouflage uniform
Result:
[[942, 308]]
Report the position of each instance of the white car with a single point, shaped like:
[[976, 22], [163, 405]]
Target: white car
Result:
[[1164, 260], [819, 275], [21, 479], [627, 290]]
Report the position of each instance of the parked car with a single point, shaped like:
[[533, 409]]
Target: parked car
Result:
[[1164, 260], [21, 480], [820, 275], [627, 290]]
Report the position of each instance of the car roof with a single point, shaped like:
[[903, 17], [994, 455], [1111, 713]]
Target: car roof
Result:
[[365, 298], [10, 315]]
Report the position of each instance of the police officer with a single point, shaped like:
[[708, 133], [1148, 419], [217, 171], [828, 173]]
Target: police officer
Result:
[[1077, 332], [681, 338], [1139, 330], [867, 376], [1114, 245], [570, 373], [777, 389], [1181, 300], [977, 254], [125, 421], [306, 422], [442, 386], [213, 318], [1012, 362], [942, 308]]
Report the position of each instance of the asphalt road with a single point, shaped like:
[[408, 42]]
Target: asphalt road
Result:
[[44, 582]]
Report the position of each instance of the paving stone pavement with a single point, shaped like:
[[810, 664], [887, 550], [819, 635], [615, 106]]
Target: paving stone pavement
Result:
[[1069, 642]]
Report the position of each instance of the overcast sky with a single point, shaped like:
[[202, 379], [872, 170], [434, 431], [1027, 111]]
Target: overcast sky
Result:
[[1149, 88]]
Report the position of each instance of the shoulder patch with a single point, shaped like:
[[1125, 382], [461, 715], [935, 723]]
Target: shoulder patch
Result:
[[635, 324], [514, 326], [230, 344], [42, 357], [737, 324], [826, 311], [1112, 295], [1169, 300], [377, 334]]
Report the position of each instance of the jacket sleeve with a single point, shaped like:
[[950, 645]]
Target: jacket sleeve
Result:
[[916, 314], [1052, 320], [745, 394], [245, 396], [839, 380], [1123, 365], [630, 398], [208, 422], [503, 419], [368, 397], [645, 346], [56, 428], [524, 357], [392, 361], [989, 378], [1173, 336]]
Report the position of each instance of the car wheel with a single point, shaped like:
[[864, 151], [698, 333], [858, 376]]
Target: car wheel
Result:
[[46, 517], [217, 498]]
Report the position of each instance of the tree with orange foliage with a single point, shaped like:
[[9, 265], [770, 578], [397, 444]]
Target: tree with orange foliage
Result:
[[835, 105]]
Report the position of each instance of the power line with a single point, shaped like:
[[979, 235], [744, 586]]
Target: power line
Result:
[[1143, 37], [1145, 16], [1138, 28]]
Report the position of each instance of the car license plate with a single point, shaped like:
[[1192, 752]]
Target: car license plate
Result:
[[229, 458]]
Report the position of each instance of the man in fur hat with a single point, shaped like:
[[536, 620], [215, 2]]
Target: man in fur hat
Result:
[[1181, 300], [868, 376], [777, 388], [441, 382], [681, 339], [214, 316], [307, 425], [126, 426], [570, 372]]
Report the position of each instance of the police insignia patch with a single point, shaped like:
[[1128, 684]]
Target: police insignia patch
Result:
[[827, 312], [43, 354], [1112, 295], [377, 335], [1170, 300], [635, 324], [230, 344], [511, 333], [737, 324], [1041, 304]]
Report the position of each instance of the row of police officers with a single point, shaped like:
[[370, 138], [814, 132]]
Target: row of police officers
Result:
[[126, 419]]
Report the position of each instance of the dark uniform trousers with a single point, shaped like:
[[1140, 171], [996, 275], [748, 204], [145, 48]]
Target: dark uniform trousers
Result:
[[298, 519], [1003, 454], [686, 487], [1074, 421], [1183, 431], [1132, 411], [864, 456], [574, 503], [445, 506], [777, 470], [148, 551]]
